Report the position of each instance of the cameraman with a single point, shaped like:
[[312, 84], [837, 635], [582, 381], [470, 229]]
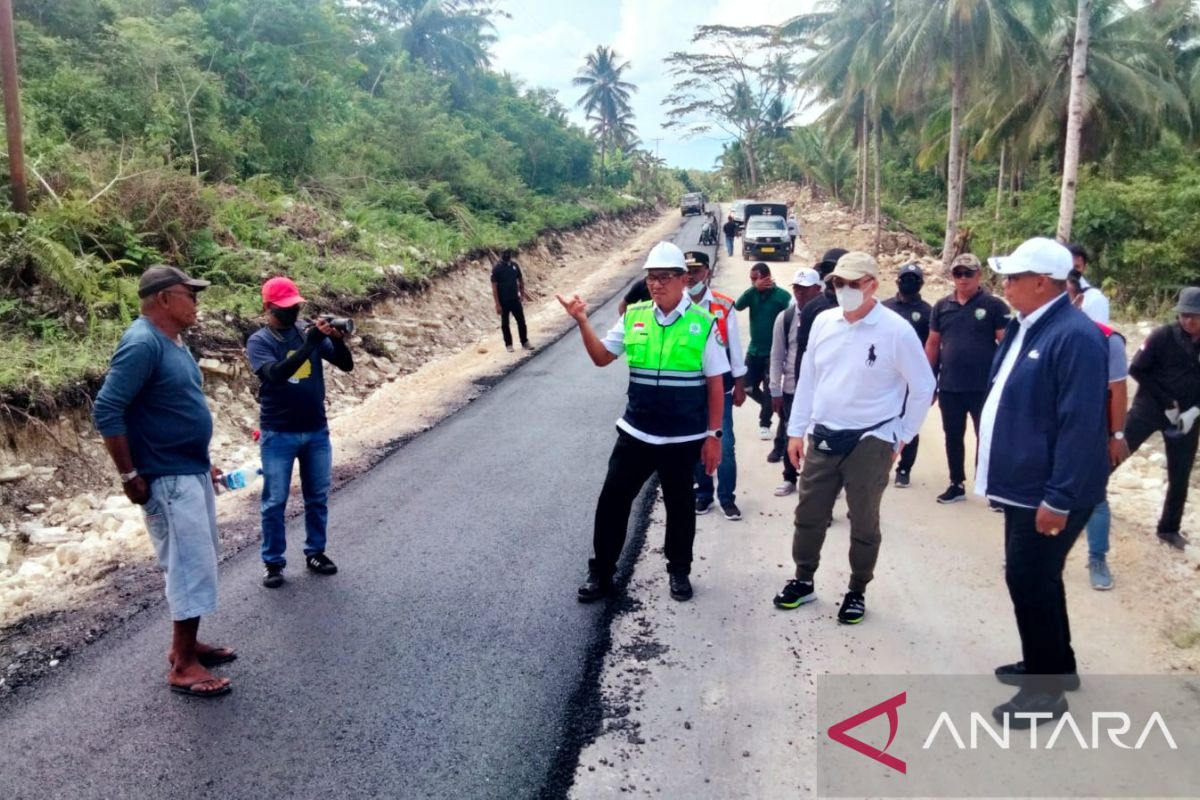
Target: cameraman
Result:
[[287, 357]]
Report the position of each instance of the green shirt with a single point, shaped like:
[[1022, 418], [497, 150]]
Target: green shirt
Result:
[[764, 308]]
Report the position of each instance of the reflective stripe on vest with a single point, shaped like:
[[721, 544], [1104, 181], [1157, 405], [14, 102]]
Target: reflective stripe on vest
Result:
[[668, 395]]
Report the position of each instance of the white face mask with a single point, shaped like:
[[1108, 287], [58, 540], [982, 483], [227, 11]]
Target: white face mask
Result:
[[849, 299], [698, 290]]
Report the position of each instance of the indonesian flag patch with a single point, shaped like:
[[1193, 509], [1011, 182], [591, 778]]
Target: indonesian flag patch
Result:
[[637, 326]]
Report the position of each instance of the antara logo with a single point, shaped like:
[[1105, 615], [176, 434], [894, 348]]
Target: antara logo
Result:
[[838, 732]]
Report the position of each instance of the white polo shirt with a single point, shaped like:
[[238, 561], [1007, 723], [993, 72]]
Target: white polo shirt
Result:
[[855, 375], [1094, 302], [987, 419], [714, 363]]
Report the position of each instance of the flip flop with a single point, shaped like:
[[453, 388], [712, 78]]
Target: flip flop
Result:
[[222, 655], [192, 691]]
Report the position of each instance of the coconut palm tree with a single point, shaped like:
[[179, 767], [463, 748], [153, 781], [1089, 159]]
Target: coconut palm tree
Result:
[[606, 95]]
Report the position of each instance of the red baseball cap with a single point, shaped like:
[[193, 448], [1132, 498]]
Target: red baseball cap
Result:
[[281, 293]]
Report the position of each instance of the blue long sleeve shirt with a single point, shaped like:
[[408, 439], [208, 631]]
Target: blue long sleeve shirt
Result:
[[153, 395]]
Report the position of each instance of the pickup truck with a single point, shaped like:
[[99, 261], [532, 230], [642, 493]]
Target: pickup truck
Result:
[[766, 235]]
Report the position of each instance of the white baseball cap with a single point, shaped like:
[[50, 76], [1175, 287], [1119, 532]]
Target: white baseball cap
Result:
[[665, 255], [806, 276], [1040, 255]]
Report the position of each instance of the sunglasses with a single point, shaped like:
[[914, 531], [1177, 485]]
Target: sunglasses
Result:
[[1018, 276], [838, 283], [186, 293], [661, 277], [963, 272]]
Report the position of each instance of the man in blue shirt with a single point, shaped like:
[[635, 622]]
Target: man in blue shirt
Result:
[[156, 426], [287, 358]]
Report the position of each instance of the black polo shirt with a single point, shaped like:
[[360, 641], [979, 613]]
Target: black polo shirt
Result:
[[507, 277], [916, 313], [968, 332], [1167, 369]]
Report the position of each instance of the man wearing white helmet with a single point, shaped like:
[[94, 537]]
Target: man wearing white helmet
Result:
[[672, 419]]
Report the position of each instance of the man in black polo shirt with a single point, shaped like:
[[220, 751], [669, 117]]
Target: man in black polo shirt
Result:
[[508, 290], [909, 305], [964, 331]]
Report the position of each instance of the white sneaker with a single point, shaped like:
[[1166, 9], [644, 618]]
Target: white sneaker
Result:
[[764, 434], [784, 489]]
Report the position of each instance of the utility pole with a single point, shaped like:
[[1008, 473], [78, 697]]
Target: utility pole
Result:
[[656, 141], [12, 108]]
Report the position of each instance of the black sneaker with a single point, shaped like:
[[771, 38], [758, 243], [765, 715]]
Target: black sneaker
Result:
[[774, 457], [1014, 675], [1175, 539], [526, 346], [272, 576], [320, 564], [901, 479], [594, 588], [731, 511], [795, 594], [854, 608], [703, 506], [954, 493], [1030, 703], [681, 587]]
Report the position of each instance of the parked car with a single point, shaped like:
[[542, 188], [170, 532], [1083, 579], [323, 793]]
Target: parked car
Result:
[[691, 203], [766, 234], [739, 212]]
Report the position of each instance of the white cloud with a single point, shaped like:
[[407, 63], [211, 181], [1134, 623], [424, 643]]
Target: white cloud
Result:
[[547, 56]]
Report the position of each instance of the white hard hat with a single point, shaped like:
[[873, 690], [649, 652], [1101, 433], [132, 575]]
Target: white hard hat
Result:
[[665, 255]]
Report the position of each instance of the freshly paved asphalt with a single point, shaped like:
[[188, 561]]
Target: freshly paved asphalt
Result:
[[441, 662]]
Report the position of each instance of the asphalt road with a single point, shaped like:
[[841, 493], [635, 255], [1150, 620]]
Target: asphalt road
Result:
[[446, 659]]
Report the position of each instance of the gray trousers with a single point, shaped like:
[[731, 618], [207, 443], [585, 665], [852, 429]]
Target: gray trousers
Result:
[[864, 473]]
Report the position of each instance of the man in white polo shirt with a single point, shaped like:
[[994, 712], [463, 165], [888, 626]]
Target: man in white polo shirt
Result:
[[862, 359]]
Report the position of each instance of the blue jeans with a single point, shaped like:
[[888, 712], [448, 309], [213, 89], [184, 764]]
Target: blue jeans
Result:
[[727, 471], [315, 454], [1097, 531], [729, 245]]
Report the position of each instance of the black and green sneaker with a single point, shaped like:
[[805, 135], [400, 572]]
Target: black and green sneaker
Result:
[[854, 608], [795, 594]]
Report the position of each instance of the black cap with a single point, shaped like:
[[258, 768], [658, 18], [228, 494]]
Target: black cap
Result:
[[829, 260], [912, 268], [696, 258], [160, 277]]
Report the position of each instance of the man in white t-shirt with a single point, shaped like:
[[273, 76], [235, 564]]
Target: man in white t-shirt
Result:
[[1091, 301]]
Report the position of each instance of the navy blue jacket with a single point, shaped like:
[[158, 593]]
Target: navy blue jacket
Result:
[[1050, 441]]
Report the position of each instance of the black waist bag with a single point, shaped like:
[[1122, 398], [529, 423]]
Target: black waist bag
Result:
[[840, 443]]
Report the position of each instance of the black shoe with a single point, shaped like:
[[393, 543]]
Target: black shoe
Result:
[[681, 587], [272, 576], [320, 564], [526, 346], [954, 493], [703, 506], [731, 511], [1175, 539], [854, 608], [795, 594], [1030, 703], [994, 506], [1014, 675], [594, 588], [901, 479], [774, 457]]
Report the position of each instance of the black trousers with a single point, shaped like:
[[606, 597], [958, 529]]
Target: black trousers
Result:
[[781, 438], [908, 456], [955, 407], [514, 308], [1033, 571], [632, 462], [758, 376], [1181, 454]]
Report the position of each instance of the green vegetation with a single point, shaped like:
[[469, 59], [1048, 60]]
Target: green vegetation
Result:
[[359, 146]]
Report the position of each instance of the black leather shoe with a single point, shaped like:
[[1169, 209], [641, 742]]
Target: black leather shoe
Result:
[[1014, 674], [1175, 539], [774, 457], [681, 587], [594, 588], [1030, 703]]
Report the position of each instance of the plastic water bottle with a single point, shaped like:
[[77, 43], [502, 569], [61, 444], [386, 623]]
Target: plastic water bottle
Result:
[[240, 478]]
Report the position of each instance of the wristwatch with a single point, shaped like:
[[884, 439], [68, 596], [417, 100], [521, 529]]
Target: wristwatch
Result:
[[126, 477], [716, 434], [1118, 435]]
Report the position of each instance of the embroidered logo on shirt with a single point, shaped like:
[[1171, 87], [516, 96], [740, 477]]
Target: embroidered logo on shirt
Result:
[[1034, 354], [637, 326], [694, 328], [916, 316], [871, 356], [980, 313]]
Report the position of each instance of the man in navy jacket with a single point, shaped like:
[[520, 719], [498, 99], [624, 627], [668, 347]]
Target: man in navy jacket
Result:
[[1043, 455]]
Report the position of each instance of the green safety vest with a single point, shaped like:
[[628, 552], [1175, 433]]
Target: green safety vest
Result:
[[668, 394]]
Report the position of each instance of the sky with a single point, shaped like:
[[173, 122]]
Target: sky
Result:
[[545, 42]]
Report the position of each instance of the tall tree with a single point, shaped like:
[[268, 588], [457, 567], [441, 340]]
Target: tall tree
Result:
[[448, 36], [605, 97], [729, 80], [1075, 111]]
